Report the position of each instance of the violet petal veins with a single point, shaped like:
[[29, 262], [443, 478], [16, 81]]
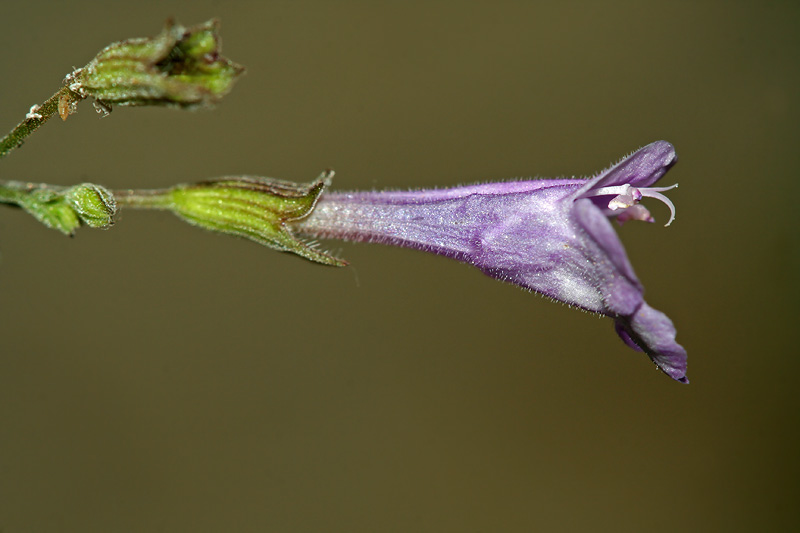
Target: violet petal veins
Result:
[[549, 236]]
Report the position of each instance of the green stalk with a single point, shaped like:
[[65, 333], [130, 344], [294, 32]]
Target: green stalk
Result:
[[144, 198], [61, 103]]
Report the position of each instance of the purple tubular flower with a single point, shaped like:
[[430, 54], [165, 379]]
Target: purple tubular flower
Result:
[[548, 236]]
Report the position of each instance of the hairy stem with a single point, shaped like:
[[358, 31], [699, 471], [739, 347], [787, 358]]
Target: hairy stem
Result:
[[11, 191], [61, 102], [143, 198]]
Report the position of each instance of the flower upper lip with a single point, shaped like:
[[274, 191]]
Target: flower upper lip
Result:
[[642, 168], [630, 180]]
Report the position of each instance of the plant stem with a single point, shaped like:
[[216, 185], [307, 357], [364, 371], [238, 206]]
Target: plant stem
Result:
[[143, 198], [10, 191], [16, 192], [61, 102]]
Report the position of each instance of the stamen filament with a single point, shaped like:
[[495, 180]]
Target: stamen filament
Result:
[[653, 193], [626, 196]]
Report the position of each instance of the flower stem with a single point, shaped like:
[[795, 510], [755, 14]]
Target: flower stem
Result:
[[144, 198], [61, 102], [10, 191]]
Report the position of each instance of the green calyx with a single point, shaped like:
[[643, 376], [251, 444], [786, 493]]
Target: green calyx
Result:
[[179, 67]]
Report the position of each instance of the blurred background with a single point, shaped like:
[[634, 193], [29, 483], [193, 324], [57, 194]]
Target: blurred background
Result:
[[156, 377]]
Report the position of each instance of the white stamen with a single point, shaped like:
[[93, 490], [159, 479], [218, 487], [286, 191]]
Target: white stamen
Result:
[[626, 196], [655, 192], [606, 191], [621, 201]]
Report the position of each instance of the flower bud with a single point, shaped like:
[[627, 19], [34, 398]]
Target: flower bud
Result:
[[93, 204], [63, 208]]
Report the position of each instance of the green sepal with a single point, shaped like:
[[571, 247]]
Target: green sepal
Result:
[[254, 208], [179, 67]]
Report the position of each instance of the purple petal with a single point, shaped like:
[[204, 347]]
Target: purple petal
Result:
[[652, 332], [641, 169], [622, 293]]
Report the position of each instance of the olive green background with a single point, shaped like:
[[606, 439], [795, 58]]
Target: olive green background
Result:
[[155, 377]]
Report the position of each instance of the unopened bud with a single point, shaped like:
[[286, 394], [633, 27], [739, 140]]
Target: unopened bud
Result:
[[94, 205], [63, 208]]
